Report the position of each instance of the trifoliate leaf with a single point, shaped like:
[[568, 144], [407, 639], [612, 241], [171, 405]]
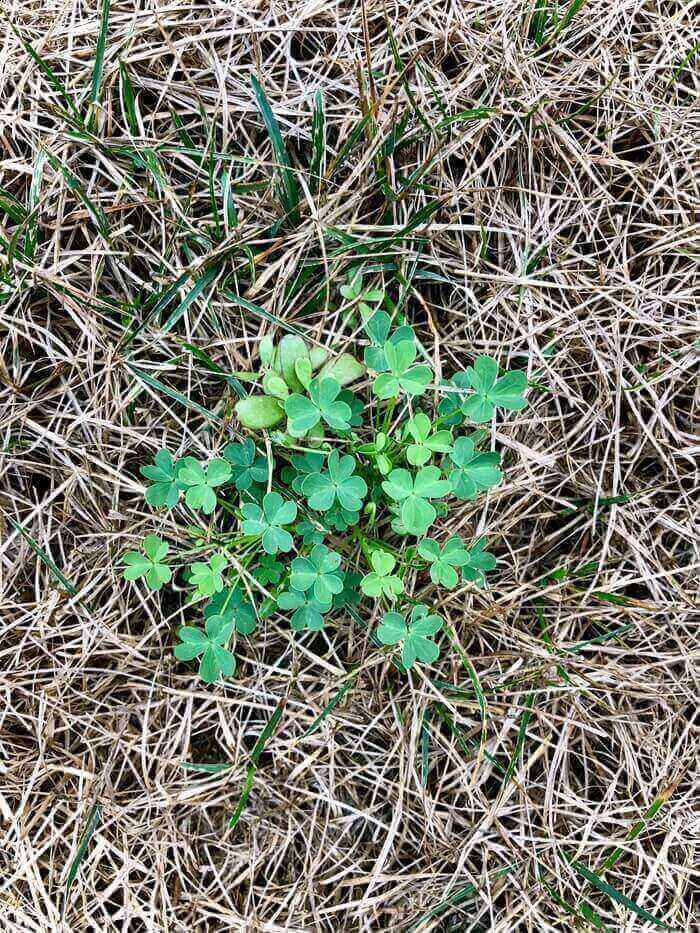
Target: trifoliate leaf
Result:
[[200, 482], [165, 488], [207, 577], [425, 441], [269, 520], [414, 637], [377, 328], [381, 582], [247, 466], [335, 484], [308, 611], [304, 413], [317, 572], [148, 564], [479, 562], [413, 494], [268, 570], [402, 374], [234, 604], [473, 471], [210, 645], [444, 560], [491, 392]]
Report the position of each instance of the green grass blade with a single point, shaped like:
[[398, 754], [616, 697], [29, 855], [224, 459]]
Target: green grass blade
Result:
[[288, 188], [257, 751], [173, 394], [31, 237], [214, 367], [330, 706], [14, 209], [53, 80], [425, 748], [459, 896], [262, 312], [230, 209], [522, 735], [75, 186], [44, 557], [615, 895], [207, 768], [128, 97], [98, 66], [162, 301], [190, 297], [318, 143], [93, 820]]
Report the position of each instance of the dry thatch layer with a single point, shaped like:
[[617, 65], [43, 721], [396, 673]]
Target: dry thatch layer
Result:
[[563, 241]]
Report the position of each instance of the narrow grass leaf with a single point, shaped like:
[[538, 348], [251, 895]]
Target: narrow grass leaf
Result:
[[128, 97], [617, 896], [522, 734], [173, 394], [199, 286], [76, 187], [44, 557], [207, 768], [214, 367], [53, 80], [288, 189], [318, 143], [93, 820], [330, 706], [99, 63]]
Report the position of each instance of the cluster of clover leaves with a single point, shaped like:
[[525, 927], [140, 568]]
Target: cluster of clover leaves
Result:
[[310, 493]]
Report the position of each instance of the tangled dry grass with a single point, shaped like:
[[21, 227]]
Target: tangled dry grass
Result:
[[554, 229]]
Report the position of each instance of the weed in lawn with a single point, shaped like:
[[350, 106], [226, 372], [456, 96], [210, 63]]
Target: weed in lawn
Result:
[[339, 462]]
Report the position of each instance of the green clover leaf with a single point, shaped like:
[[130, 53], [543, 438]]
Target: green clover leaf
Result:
[[165, 488], [444, 560], [414, 637], [377, 328], [425, 442], [323, 489], [317, 572], [413, 494], [474, 471], [309, 533], [451, 408], [200, 482], [149, 564], [402, 375], [247, 466], [268, 570], [491, 392], [381, 581], [301, 466], [350, 593], [268, 521], [340, 519], [304, 413], [234, 605], [479, 561], [211, 643], [308, 612], [207, 577]]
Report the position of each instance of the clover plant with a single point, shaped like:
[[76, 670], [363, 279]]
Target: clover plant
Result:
[[333, 493]]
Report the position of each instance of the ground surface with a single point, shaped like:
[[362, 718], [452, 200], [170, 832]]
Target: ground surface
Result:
[[553, 227]]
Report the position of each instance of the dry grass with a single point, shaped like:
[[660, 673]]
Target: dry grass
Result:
[[565, 242]]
